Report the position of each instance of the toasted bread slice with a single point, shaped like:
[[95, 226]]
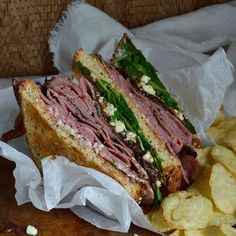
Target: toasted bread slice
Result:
[[46, 136], [171, 165]]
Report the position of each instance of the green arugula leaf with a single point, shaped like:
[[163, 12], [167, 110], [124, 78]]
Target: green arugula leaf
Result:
[[84, 70], [189, 126], [159, 196]]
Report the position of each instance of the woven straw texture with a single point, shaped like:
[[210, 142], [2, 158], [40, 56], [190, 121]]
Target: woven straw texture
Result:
[[25, 26]]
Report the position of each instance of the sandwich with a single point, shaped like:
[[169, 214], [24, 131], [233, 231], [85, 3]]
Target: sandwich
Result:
[[132, 64], [160, 130], [64, 118], [102, 119]]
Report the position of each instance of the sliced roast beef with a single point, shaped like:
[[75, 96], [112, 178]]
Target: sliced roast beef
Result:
[[77, 107], [165, 124]]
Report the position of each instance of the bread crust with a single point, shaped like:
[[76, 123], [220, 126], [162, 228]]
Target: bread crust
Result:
[[171, 165], [46, 136]]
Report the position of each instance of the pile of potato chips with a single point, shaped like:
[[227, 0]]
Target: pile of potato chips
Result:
[[208, 207]]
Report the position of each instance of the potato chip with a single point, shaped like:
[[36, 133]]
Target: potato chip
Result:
[[230, 139], [185, 210], [208, 207], [210, 231], [228, 230], [225, 157], [220, 130], [220, 218], [220, 116], [223, 189], [204, 156], [201, 184], [159, 221], [177, 233]]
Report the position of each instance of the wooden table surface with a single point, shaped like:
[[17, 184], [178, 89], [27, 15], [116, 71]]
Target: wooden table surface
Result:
[[58, 222]]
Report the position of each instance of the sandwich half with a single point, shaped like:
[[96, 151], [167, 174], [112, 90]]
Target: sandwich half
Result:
[[62, 117], [104, 120], [165, 142], [132, 64]]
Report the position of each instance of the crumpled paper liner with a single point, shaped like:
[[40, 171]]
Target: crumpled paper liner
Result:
[[91, 195]]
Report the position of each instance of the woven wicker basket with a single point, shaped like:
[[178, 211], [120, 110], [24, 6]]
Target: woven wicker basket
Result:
[[25, 26]]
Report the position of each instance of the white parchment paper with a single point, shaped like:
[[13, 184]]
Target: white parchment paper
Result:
[[90, 194]]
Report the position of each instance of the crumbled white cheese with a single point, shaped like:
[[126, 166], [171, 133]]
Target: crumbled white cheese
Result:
[[88, 144], [158, 183], [145, 79], [93, 76], [75, 81], [68, 128], [148, 157], [31, 230], [119, 126], [112, 123], [98, 147], [109, 109], [148, 89], [131, 136], [101, 99], [179, 114], [54, 112]]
